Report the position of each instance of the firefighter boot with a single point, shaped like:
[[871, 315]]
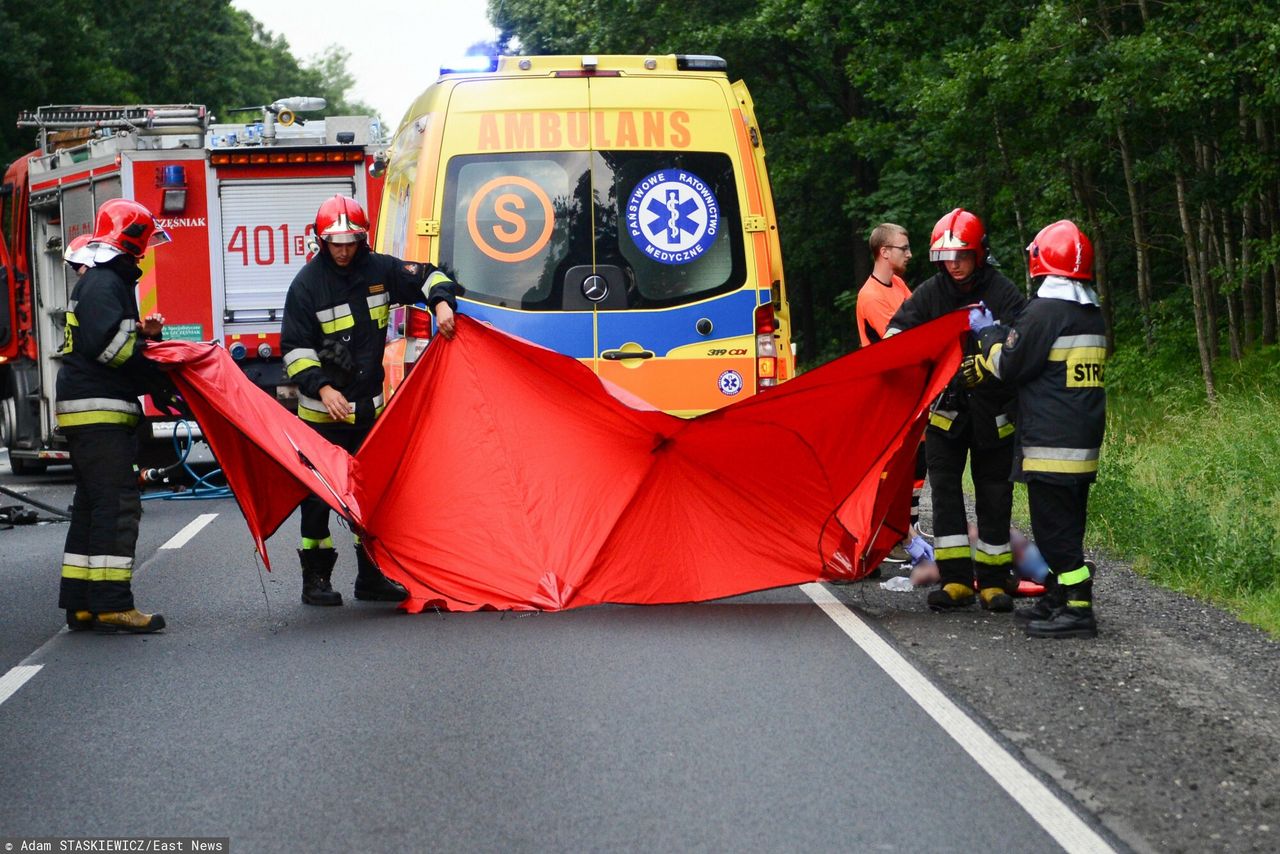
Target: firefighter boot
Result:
[[132, 621], [372, 585], [995, 586], [1073, 619], [79, 621], [1043, 608], [950, 596], [317, 567]]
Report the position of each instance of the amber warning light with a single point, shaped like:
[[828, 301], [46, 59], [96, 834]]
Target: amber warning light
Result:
[[272, 158]]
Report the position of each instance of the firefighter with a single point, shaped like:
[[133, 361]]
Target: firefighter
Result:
[[1054, 354], [333, 336], [104, 370], [976, 425]]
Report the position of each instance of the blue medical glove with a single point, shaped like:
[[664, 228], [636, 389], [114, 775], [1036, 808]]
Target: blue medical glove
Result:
[[980, 318], [919, 549]]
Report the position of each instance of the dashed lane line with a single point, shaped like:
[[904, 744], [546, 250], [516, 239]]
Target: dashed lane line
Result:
[[1044, 807], [193, 527], [22, 673]]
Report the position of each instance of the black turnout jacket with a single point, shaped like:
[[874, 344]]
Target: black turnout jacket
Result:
[[1054, 354], [104, 370], [990, 407], [331, 309]]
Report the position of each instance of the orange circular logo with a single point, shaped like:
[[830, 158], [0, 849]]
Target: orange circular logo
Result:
[[502, 195]]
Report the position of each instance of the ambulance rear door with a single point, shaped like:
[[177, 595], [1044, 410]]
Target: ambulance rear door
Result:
[[675, 325]]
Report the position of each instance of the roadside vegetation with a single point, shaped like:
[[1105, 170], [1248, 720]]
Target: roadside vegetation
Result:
[[1190, 491]]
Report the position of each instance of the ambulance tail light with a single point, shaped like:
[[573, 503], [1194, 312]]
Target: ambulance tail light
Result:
[[417, 334], [766, 347]]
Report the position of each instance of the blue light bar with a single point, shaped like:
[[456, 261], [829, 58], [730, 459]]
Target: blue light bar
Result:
[[470, 64]]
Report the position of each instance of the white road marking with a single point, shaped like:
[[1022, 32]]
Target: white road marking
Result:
[[16, 678], [184, 536], [1046, 808]]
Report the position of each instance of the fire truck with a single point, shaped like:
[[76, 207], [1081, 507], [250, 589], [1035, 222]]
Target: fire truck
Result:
[[238, 201]]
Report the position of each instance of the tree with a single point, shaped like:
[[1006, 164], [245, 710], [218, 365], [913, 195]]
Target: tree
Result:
[[130, 51]]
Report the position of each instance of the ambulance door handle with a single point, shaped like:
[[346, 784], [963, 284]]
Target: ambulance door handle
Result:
[[619, 355]]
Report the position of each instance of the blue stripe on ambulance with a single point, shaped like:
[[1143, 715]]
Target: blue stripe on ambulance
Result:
[[567, 332], [663, 330]]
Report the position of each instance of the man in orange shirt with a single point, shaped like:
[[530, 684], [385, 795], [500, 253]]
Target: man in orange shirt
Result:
[[884, 291], [880, 297]]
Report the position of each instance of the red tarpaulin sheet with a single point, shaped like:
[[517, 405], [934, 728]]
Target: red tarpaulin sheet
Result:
[[503, 475]]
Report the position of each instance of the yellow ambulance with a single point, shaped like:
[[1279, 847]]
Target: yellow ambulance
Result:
[[612, 208]]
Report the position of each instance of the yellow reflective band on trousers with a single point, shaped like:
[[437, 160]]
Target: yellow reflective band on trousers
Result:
[[96, 416], [1004, 427], [96, 573], [1075, 576], [989, 554], [953, 547], [1060, 460], [312, 543]]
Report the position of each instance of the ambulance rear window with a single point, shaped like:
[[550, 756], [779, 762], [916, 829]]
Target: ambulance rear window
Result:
[[515, 224]]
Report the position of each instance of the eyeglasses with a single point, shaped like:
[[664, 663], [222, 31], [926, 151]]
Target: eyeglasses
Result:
[[903, 248]]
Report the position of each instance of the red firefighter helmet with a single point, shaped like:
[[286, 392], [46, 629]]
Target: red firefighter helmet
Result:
[[1061, 249], [958, 231], [342, 220], [128, 226]]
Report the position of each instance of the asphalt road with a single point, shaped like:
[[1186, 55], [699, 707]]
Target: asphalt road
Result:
[[754, 723]]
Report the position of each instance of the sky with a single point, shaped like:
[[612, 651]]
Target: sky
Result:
[[397, 46]]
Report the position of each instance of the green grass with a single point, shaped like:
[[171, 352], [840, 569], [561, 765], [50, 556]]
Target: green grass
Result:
[[1191, 492]]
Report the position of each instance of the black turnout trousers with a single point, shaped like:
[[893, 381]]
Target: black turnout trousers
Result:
[[993, 500], [97, 562]]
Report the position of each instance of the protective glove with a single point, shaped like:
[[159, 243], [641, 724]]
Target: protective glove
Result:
[[976, 368], [338, 363], [919, 549], [980, 318]]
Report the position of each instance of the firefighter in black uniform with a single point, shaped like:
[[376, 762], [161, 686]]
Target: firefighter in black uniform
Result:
[[103, 372], [975, 424], [333, 336], [1054, 354]]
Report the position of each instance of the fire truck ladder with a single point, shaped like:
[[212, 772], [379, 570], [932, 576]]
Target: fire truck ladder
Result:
[[141, 117]]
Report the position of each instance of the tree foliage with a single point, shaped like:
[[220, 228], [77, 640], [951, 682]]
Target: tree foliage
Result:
[[1152, 124], [152, 52]]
